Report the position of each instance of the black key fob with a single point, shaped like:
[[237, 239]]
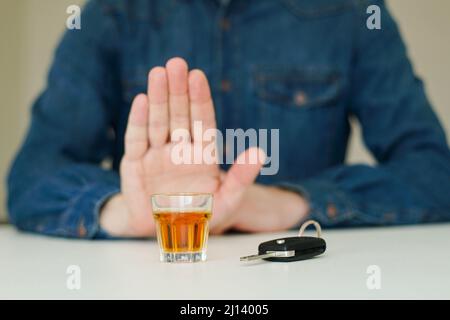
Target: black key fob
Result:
[[296, 248], [291, 248]]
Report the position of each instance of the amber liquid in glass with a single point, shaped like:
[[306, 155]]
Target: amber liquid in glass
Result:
[[182, 231]]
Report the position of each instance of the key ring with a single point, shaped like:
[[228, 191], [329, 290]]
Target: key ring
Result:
[[307, 224]]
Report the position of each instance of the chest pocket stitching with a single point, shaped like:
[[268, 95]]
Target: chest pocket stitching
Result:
[[302, 10], [298, 79]]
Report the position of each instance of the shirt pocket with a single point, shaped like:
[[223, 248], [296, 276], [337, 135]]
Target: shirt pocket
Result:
[[297, 88], [307, 105]]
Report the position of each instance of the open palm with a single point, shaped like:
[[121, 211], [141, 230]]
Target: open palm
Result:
[[158, 122]]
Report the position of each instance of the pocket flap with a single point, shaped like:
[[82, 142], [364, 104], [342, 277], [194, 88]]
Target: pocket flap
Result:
[[298, 87]]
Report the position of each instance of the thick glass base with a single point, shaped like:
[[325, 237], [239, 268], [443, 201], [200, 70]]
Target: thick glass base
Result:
[[182, 256]]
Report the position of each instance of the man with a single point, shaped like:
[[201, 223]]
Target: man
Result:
[[304, 67]]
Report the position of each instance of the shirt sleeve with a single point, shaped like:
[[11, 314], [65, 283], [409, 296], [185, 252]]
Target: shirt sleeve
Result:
[[411, 180], [56, 185]]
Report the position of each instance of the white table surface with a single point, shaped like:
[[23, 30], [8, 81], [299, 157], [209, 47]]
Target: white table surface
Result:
[[414, 263]]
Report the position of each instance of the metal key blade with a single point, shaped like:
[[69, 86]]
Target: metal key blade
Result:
[[258, 256], [269, 254]]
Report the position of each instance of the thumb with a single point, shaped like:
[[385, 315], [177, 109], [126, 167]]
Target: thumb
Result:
[[242, 173]]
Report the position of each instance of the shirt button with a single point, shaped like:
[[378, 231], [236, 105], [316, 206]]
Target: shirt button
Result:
[[300, 98], [82, 230], [225, 24], [225, 85], [389, 217], [331, 211]]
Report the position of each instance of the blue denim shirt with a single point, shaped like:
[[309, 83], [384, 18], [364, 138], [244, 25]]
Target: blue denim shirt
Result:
[[306, 67]]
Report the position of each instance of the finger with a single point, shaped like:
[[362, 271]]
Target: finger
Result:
[[235, 183], [202, 107], [177, 74], [136, 138], [159, 108], [242, 174]]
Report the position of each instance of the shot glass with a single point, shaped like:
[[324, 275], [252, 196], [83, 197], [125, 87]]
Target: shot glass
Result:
[[182, 225]]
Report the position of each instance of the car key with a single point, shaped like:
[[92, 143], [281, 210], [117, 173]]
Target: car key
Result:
[[291, 248]]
